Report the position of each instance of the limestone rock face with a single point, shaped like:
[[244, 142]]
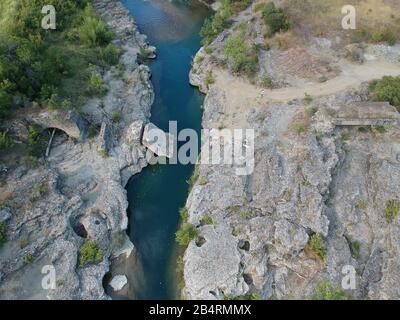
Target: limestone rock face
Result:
[[51, 211], [322, 168]]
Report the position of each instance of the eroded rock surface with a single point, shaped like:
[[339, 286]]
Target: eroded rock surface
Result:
[[79, 195], [311, 177]]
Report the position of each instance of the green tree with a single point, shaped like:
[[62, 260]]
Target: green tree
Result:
[[275, 18]]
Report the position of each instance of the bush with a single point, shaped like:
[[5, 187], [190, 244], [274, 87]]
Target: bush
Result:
[[240, 55], [316, 246], [392, 209], [94, 32], [214, 26], [29, 258], [97, 86], [267, 82], [209, 78], [300, 128], [117, 116], [110, 55], [184, 214], [186, 233], [34, 62], [3, 233], [361, 35], [307, 98], [384, 35], [387, 89], [90, 252], [5, 141], [327, 291], [275, 19], [207, 220]]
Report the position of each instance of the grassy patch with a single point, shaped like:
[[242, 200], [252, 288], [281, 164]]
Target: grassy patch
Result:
[[3, 233], [392, 209], [241, 56], [387, 89], [362, 204], [207, 220], [252, 296], [90, 252], [316, 247], [184, 214], [354, 246], [29, 258], [186, 233], [326, 291]]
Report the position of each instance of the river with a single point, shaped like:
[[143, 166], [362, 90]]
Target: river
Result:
[[156, 194]]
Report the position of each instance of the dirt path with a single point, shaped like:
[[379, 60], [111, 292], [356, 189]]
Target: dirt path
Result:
[[240, 91]]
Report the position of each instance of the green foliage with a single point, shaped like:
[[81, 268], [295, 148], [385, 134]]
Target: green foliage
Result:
[[203, 181], [5, 141], [354, 246], [387, 89], [362, 204], [247, 214], [240, 55], [267, 82], [193, 178], [104, 154], [90, 252], [184, 214], [97, 85], [209, 78], [40, 65], [93, 31], [317, 247], [252, 296], [392, 209], [117, 116], [275, 19], [384, 35], [38, 192], [300, 128], [28, 259], [327, 291], [360, 35], [207, 220], [3, 233], [110, 55], [307, 98], [186, 233], [221, 20]]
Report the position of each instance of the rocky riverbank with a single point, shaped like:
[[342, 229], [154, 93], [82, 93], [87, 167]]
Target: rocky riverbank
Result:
[[77, 194], [318, 199]]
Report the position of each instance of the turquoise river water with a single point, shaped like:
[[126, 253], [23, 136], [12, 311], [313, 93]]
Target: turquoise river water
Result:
[[156, 194]]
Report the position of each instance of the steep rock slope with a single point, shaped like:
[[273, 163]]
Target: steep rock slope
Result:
[[315, 185], [78, 195]]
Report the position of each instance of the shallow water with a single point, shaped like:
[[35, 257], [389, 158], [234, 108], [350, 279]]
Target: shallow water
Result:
[[156, 194]]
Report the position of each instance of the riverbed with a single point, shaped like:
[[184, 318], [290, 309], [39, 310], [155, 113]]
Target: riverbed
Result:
[[156, 194]]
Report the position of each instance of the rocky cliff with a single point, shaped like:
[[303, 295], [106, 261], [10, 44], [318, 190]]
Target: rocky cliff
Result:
[[318, 202], [77, 195]]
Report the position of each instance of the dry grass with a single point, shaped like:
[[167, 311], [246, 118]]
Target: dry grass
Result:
[[322, 17]]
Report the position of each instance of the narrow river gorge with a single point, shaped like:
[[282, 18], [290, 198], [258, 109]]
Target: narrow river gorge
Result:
[[156, 194]]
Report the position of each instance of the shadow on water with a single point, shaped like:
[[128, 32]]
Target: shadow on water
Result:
[[156, 194]]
